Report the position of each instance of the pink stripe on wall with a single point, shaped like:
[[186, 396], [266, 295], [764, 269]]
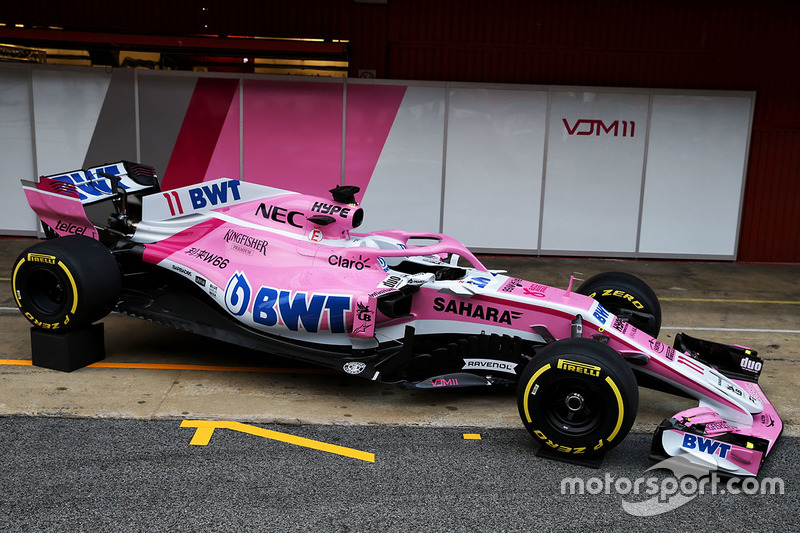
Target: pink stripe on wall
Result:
[[293, 135], [207, 113], [371, 110]]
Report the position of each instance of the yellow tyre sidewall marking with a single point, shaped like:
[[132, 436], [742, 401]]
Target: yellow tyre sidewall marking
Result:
[[14, 282], [74, 286], [528, 390], [620, 407], [611, 383]]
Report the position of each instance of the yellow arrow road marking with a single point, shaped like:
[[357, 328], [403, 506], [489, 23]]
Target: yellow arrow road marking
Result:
[[205, 428]]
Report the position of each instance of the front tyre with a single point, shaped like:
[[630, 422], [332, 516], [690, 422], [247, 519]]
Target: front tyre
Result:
[[625, 295], [66, 283], [578, 397]]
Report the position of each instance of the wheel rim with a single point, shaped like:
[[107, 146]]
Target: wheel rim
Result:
[[575, 407], [46, 291]]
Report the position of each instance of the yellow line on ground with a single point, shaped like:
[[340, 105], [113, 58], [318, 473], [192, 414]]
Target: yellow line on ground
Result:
[[5, 279], [166, 366], [724, 300], [205, 428]]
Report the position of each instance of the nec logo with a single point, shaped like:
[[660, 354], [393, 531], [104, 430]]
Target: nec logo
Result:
[[586, 126]]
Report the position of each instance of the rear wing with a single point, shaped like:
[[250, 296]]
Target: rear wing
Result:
[[96, 184]]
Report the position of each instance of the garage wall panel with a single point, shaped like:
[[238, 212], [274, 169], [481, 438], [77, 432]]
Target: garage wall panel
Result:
[[163, 101], [16, 152], [66, 107], [114, 136], [695, 175], [595, 156], [495, 154], [527, 169], [293, 134], [406, 187]]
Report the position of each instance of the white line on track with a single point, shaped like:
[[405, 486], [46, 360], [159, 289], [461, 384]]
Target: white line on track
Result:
[[749, 330]]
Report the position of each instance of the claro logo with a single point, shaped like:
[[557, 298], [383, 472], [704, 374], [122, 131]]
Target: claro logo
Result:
[[585, 126]]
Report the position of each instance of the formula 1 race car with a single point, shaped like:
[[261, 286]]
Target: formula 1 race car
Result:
[[285, 273]]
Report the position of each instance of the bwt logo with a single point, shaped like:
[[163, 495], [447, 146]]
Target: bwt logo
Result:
[[216, 193], [709, 446], [202, 196], [586, 126], [89, 189]]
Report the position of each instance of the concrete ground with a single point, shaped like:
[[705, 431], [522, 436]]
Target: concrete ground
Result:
[[152, 372]]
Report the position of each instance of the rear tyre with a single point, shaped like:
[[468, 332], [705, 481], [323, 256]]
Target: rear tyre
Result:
[[578, 397], [625, 294], [66, 283]]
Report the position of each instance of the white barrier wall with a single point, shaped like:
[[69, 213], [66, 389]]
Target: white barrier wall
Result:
[[16, 151], [594, 171], [495, 150], [519, 169]]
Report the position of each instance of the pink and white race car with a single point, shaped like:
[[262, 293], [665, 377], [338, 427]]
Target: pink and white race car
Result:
[[287, 274]]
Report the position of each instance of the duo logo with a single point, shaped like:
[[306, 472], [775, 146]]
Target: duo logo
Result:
[[273, 306], [709, 446]]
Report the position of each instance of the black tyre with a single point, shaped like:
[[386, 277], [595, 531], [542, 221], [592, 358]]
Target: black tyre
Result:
[[626, 295], [66, 283], [578, 397]]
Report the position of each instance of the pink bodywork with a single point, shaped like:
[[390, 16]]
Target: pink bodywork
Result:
[[291, 265]]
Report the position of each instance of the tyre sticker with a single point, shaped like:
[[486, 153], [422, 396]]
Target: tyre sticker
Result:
[[528, 389], [74, 287], [621, 407]]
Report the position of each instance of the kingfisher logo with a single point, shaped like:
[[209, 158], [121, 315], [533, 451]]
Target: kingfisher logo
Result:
[[618, 128]]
